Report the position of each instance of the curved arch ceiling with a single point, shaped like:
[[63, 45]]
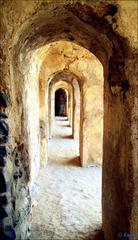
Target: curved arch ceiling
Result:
[[59, 22]]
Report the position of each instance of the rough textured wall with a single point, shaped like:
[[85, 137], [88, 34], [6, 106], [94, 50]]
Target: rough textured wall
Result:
[[31, 117], [44, 102], [92, 109], [114, 42], [14, 192], [64, 55]]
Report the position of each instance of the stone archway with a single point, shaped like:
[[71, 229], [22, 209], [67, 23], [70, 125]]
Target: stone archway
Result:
[[90, 87], [60, 103], [69, 77], [115, 53], [53, 87]]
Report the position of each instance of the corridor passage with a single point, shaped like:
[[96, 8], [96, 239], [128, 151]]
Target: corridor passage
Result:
[[66, 197]]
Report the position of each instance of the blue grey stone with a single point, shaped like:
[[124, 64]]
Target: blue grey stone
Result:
[[4, 131], [2, 162], [3, 200], [3, 139], [3, 151], [17, 162], [3, 116], [16, 175], [3, 213], [3, 100], [9, 233], [3, 187], [20, 174]]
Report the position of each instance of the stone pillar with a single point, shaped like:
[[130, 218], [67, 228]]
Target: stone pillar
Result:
[[76, 110]]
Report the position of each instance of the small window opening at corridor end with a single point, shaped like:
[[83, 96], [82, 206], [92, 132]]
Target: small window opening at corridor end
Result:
[[60, 103]]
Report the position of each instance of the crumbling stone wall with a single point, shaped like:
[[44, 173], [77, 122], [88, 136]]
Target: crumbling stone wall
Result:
[[14, 193], [108, 29]]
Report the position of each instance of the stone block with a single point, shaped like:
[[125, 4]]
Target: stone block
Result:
[[16, 175], [3, 139], [2, 162], [4, 129], [3, 100], [17, 162], [3, 151], [16, 218], [20, 174], [3, 213], [3, 187], [3, 116], [9, 233], [3, 200]]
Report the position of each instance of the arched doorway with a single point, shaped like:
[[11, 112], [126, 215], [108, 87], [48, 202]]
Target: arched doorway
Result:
[[108, 45], [60, 103]]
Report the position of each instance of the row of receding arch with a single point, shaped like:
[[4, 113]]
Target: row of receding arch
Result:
[[75, 23], [86, 82]]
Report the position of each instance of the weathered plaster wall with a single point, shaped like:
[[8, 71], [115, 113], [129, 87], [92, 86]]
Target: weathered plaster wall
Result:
[[109, 30], [64, 55], [92, 110], [76, 112], [31, 121]]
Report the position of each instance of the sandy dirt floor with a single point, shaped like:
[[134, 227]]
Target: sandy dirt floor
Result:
[[66, 197]]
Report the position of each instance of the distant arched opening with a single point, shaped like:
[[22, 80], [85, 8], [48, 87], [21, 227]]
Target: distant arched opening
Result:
[[60, 103]]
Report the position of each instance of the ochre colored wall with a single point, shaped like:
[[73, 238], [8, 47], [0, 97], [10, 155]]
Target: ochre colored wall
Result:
[[109, 30]]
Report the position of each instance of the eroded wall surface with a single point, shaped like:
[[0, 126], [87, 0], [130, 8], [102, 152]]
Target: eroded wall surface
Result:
[[109, 30], [65, 55]]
